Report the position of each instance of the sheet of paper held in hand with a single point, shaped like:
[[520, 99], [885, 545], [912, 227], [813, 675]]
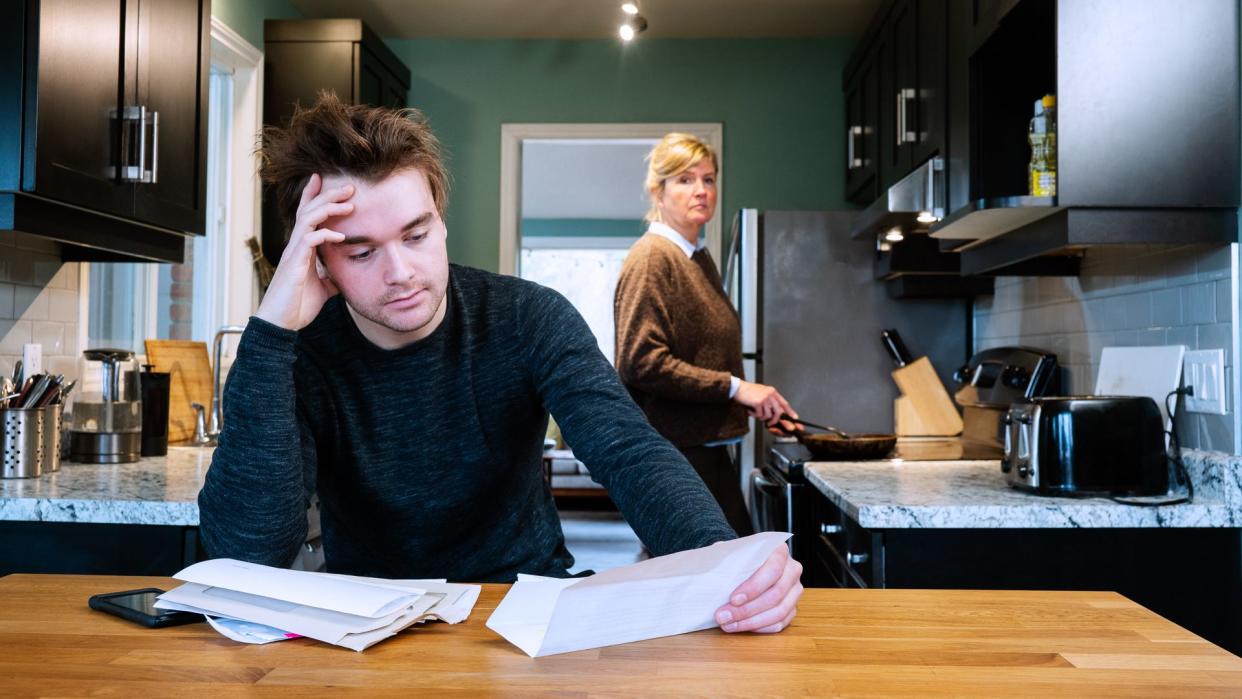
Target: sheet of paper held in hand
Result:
[[672, 594]]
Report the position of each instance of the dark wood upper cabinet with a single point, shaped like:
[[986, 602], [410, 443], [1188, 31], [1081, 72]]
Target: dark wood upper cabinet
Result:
[[896, 96], [1148, 103], [76, 50], [931, 68], [862, 109], [104, 124], [169, 38], [1147, 122], [303, 57]]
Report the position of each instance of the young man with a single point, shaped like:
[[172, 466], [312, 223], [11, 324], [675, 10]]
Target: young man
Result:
[[412, 395]]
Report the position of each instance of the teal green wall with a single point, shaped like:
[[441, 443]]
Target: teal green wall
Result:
[[581, 227], [779, 100], [246, 16]]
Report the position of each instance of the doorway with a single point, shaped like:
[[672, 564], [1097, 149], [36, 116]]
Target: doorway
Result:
[[572, 204]]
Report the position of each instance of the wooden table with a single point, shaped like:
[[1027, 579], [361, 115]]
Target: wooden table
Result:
[[849, 642]]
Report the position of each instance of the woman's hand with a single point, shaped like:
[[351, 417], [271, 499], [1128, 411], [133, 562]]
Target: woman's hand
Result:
[[299, 287], [765, 403], [768, 600]]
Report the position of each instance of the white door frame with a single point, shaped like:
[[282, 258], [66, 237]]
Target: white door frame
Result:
[[512, 135], [233, 294]]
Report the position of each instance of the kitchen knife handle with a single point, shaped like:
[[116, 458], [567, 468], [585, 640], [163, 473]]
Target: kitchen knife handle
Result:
[[896, 348]]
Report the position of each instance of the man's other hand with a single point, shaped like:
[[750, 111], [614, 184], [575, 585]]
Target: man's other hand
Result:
[[768, 600]]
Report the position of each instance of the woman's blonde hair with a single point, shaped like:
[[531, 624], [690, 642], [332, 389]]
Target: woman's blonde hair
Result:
[[673, 155]]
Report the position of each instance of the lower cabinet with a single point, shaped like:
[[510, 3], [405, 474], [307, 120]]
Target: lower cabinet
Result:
[[97, 549], [1192, 577]]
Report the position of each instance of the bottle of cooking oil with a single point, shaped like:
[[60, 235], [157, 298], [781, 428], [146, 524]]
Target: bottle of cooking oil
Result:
[[1043, 139]]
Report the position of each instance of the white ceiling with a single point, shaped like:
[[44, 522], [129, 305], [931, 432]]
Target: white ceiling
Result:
[[598, 19], [568, 179]]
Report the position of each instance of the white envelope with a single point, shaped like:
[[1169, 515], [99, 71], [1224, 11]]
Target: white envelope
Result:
[[320, 624], [301, 587], [664, 596]]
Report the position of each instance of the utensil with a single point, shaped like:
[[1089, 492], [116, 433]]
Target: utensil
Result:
[[52, 394], [829, 428], [17, 373], [64, 392], [834, 447], [896, 347], [35, 394], [23, 391]]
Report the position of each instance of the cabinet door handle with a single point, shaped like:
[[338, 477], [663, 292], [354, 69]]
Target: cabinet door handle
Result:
[[830, 528], [857, 558], [851, 134], [141, 122], [153, 174], [904, 134], [133, 121], [901, 117]]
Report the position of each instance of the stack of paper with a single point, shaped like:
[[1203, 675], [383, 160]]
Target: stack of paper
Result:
[[672, 594], [260, 604]]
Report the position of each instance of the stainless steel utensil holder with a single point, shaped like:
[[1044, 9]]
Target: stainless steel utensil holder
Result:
[[21, 440], [52, 422]]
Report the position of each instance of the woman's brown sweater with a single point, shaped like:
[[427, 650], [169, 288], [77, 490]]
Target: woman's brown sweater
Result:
[[678, 342]]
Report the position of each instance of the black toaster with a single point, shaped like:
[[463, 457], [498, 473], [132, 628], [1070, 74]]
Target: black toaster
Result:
[[1086, 445]]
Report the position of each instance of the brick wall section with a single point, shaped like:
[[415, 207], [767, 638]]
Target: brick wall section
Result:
[[1132, 296], [181, 296], [38, 303]]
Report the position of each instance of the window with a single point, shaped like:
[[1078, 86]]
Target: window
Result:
[[128, 303], [581, 209]]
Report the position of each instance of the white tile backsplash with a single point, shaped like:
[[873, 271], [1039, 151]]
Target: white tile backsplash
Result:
[[1128, 296], [38, 303]]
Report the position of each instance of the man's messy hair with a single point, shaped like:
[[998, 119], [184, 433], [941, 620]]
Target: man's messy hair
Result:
[[360, 141]]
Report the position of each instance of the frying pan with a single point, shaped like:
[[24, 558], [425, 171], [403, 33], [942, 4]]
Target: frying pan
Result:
[[842, 446]]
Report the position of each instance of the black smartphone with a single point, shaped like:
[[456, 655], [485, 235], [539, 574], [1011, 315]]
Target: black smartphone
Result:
[[139, 607]]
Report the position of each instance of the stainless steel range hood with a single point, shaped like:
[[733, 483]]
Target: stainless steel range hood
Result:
[[918, 198]]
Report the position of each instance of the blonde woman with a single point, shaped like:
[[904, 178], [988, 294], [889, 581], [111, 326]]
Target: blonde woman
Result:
[[679, 343]]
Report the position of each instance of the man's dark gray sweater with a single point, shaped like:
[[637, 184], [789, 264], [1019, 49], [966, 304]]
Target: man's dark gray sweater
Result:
[[427, 458]]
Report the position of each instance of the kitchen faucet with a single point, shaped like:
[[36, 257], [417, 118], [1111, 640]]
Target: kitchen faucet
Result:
[[205, 433]]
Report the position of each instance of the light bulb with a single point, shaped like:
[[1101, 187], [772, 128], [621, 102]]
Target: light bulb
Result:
[[626, 32], [894, 235], [629, 8], [926, 217]]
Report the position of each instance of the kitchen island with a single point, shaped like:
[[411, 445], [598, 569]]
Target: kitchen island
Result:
[[843, 642], [138, 518], [947, 524], [127, 519], [156, 490]]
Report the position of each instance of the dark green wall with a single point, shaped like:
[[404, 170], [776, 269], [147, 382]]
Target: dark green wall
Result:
[[246, 16], [582, 227], [779, 100]]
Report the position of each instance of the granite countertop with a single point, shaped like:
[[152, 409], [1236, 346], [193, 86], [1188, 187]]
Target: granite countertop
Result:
[[155, 490], [893, 494]]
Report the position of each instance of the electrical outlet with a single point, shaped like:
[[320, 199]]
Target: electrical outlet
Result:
[[1205, 371]]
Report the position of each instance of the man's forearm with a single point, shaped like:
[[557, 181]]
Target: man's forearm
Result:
[[253, 503]]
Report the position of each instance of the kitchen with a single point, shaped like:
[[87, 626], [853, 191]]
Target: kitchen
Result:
[[785, 116]]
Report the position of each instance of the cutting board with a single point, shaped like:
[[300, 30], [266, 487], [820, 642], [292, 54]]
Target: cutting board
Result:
[[186, 361], [1141, 371]]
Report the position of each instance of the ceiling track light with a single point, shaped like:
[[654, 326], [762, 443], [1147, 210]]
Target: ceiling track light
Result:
[[634, 23]]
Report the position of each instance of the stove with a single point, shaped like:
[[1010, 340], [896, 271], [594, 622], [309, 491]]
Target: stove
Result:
[[788, 458], [993, 379]]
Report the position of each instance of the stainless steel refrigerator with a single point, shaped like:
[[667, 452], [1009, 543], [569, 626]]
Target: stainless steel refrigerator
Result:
[[811, 316]]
